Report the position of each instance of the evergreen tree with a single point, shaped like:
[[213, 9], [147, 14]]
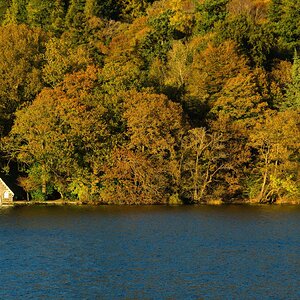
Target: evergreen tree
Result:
[[38, 12], [57, 16], [209, 13], [75, 13], [91, 8], [131, 9], [285, 19], [109, 9], [256, 41], [275, 11], [158, 41], [16, 13], [4, 5], [293, 91]]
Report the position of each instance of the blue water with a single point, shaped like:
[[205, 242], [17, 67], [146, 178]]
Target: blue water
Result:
[[226, 252]]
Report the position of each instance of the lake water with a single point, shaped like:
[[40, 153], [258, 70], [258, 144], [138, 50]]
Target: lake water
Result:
[[223, 252]]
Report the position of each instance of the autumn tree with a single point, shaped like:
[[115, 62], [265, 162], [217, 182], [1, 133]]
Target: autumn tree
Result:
[[149, 101], [177, 68], [257, 10], [239, 100], [239, 106], [210, 70], [147, 162], [202, 159], [276, 140], [61, 137], [21, 62], [123, 67], [133, 179], [184, 16], [33, 135], [61, 58]]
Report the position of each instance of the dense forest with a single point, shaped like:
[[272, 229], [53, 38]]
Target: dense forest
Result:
[[151, 102]]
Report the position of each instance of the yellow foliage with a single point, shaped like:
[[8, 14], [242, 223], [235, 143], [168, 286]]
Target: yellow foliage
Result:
[[256, 9]]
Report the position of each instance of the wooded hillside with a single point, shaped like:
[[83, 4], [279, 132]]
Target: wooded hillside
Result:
[[150, 102]]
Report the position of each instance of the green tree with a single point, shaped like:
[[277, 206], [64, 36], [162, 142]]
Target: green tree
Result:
[[293, 89], [284, 17], [58, 17], [38, 12], [132, 9], [158, 41], [16, 12], [275, 11], [91, 8], [209, 13], [48, 15], [110, 9], [75, 17], [255, 40], [4, 5]]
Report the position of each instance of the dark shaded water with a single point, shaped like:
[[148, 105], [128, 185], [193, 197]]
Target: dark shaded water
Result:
[[227, 252]]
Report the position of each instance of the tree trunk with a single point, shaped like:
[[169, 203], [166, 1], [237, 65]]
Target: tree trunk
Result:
[[265, 177], [195, 183], [44, 181]]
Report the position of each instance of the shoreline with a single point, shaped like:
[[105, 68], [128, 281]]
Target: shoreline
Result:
[[59, 202]]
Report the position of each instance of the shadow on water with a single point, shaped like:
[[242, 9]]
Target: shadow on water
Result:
[[149, 252]]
